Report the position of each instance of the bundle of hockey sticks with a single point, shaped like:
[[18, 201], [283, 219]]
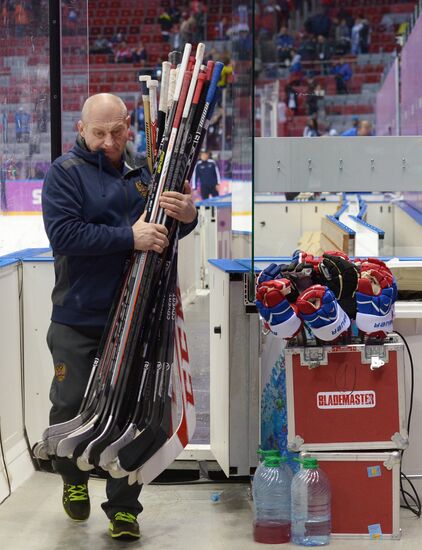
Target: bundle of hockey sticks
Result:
[[325, 294], [138, 412]]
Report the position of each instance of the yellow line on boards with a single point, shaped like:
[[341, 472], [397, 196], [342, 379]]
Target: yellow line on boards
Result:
[[241, 213], [36, 213]]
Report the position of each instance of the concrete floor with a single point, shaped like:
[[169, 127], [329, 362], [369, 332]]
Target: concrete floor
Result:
[[175, 518]]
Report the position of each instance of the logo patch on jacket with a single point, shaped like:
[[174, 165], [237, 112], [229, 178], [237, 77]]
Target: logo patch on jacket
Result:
[[60, 371], [142, 189]]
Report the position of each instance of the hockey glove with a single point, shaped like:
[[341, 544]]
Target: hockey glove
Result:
[[270, 273], [375, 297], [319, 308], [302, 271], [273, 306], [340, 275]]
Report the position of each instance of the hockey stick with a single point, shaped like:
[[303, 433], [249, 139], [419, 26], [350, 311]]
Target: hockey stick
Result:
[[143, 79], [66, 446], [186, 428], [152, 87], [162, 106]]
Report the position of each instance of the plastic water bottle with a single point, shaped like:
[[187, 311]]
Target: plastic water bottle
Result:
[[262, 455], [311, 505], [271, 499]]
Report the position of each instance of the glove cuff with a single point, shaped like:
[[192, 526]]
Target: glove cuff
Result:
[[334, 329], [375, 323], [288, 328]]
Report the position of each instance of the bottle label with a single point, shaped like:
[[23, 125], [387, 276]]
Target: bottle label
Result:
[[375, 531], [374, 471], [346, 400]]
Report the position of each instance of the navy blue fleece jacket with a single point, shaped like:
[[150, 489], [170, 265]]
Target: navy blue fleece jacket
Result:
[[88, 209]]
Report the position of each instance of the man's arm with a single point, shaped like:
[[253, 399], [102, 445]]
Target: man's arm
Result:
[[69, 234], [180, 206]]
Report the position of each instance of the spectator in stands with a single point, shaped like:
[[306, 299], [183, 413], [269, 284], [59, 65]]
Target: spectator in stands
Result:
[[187, 29], [137, 121], [323, 48], [242, 43], [296, 62], [122, 53], [225, 78], [22, 125], [314, 94], [174, 11], [21, 19], [307, 48], [354, 129], [220, 29], [291, 97], [206, 176], [364, 35], [70, 20], [323, 52], [311, 128], [101, 46], [342, 73], [200, 18], [284, 16], [342, 37], [140, 55], [386, 23], [175, 38], [41, 111], [363, 128], [401, 33], [284, 42], [273, 9], [343, 13], [319, 23], [4, 13], [355, 37], [166, 22], [117, 38], [5, 126]]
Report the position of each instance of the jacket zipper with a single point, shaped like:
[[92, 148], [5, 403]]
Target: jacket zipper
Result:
[[127, 202]]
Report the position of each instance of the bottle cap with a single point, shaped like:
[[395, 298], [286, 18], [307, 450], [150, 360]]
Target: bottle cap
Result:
[[270, 452], [310, 463], [274, 461], [307, 462]]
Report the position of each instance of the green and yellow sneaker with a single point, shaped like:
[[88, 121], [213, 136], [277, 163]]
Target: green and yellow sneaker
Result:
[[76, 501], [124, 526]]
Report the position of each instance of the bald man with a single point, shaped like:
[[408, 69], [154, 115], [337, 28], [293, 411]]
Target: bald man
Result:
[[93, 202]]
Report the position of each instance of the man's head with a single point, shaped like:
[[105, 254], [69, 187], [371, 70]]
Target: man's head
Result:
[[364, 128], [105, 125], [355, 121], [205, 155]]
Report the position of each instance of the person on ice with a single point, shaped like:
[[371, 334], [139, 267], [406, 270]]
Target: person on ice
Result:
[[93, 202], [207, 176]]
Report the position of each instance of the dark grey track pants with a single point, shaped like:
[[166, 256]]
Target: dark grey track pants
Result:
[[73, 350]]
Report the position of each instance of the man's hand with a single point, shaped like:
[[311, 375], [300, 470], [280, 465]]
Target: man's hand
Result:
[[179, 205], [149, 236]]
